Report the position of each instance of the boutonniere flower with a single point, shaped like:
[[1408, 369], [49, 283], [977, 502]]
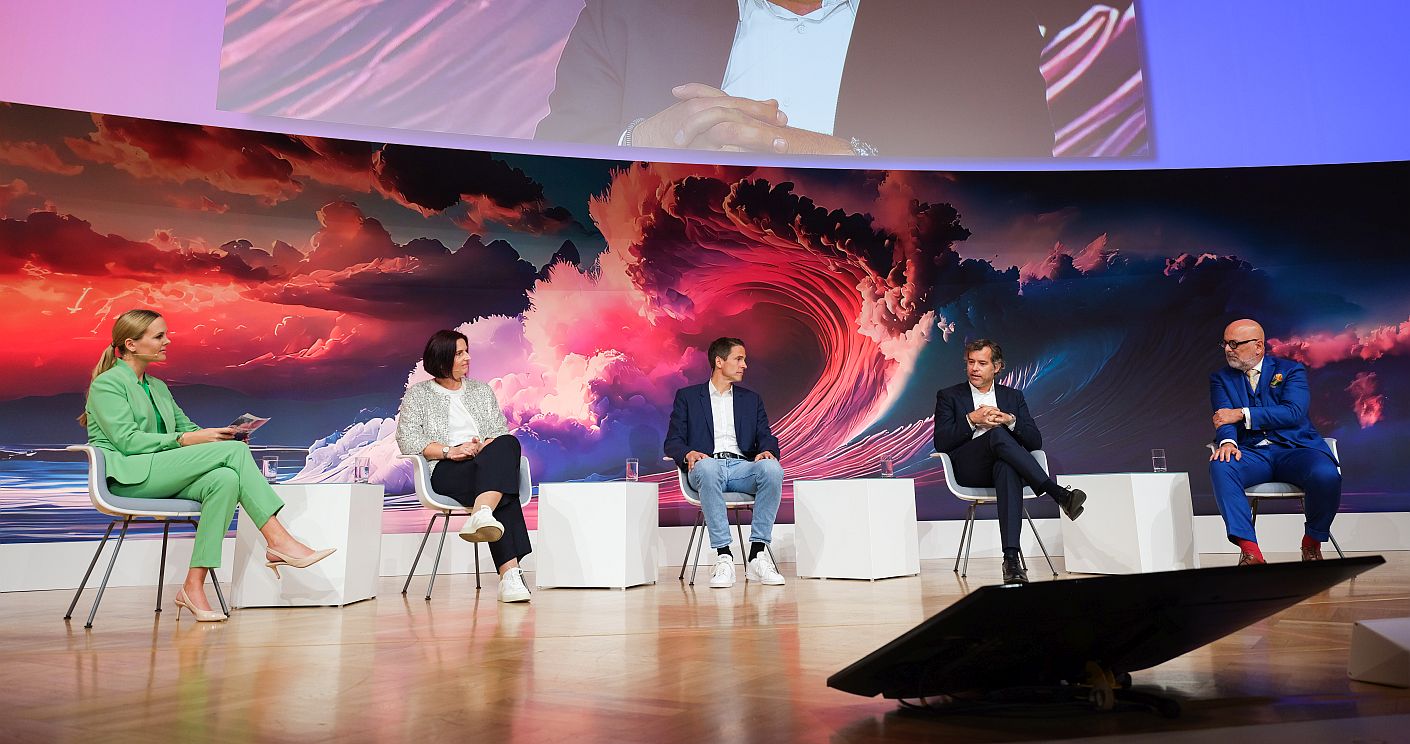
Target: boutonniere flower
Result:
[[1277, 380]]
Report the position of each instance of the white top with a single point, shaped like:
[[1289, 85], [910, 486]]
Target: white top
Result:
[[1248, 420], [722, 414], [990, 398], [462, 425], [796, 60]]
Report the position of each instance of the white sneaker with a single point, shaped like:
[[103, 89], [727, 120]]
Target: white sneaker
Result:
[[722, 574], [482, 527], [762, 570], [511, 586]]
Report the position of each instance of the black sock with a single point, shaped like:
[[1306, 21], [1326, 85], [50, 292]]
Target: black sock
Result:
[[724, 551], [1010, 554], [1051, 488], [755, 549]]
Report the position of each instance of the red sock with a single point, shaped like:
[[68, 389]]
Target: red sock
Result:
[[1250, 547], [1308, 542]]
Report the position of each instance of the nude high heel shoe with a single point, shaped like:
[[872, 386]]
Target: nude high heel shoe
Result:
[[202, 616], [289, 561]]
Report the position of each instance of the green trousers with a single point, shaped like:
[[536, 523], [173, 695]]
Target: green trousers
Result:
[[220, 475]]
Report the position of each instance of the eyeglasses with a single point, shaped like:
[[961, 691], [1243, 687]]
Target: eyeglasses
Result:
[[1233, 345]]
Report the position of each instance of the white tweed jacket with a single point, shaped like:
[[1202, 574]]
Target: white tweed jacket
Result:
[[425, 415]]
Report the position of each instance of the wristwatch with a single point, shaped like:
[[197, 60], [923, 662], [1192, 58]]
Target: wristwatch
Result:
[[445, 452]]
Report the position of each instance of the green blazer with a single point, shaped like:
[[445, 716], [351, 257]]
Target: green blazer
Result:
[[123, 426]]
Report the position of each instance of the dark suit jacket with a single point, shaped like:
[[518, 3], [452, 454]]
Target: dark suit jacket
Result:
[[942, 78], [953, 404], [1278, 408], [693, 425]]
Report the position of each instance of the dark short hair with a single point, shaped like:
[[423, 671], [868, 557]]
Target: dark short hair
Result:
[[720, 348], [439, 356], [996, 351]]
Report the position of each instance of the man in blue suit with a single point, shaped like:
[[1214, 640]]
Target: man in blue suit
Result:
[[1263, 434], [719, 434]]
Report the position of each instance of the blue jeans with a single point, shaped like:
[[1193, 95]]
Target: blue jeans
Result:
[[1309, 469], [715, 476]]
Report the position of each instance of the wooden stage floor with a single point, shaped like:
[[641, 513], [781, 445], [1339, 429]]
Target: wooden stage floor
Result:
[[667, 663]]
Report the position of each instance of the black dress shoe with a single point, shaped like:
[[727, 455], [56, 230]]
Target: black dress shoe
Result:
[[1072, 503], [1014, 572]]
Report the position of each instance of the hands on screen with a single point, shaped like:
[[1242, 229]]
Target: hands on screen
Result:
[[708, 118]]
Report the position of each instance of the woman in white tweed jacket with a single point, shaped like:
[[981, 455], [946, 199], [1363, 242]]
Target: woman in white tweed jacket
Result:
[[457, 424]]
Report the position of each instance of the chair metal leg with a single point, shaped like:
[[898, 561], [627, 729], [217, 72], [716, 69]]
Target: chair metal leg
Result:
[[964, 572], [436, 566], [477, 563], [108, 574], [89, 572], [225, 608], [161, 567], [1040, 542], [743, 546], [690, 543], [417, 560], [699, 546], [1254, 509], [964, 532], [1334, 544]]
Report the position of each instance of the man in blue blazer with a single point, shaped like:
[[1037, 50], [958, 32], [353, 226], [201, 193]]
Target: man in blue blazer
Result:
[[719, 434], [1262, 433], [988, 433]]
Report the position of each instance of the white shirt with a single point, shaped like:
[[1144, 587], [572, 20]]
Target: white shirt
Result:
[[1248, 420], [796, 60], [722, 415], [462, 425], [990, 398]]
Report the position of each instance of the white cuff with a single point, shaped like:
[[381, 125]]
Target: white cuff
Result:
[[1223, 442], [1248, 420], [1012, 424]]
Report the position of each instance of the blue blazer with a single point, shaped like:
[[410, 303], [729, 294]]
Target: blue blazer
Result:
[[693, 425], [1277, 409]]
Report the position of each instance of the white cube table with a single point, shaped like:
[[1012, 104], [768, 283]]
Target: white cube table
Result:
[[861, 528], [1133, 523], [596, 535], [346, 516]]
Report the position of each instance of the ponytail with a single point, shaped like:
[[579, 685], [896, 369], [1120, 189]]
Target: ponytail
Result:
[[130, 325]]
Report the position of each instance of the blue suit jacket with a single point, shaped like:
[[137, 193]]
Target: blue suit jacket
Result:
[[693, 425], [1277, 409]]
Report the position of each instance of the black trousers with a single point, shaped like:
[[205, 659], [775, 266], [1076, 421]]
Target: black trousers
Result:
[[496, 468], [996, 460]]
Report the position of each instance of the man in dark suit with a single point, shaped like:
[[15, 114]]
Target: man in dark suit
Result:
[[937, 78], [719, 434], [1262, 433], [986, 429]]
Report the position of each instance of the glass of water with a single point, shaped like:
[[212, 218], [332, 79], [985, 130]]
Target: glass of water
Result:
[[362, 469], [270, 467], [1158, 460], [633, 469], [888, 466]]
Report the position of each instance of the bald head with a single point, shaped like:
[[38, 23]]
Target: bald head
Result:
[[1243, 344]]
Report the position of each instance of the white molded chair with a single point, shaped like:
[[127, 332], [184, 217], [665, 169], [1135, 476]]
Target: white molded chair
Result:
[[445, 506], [981, 496], [735, 501], [127, 510], [1279, 491]]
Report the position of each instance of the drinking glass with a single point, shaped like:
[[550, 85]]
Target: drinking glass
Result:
[[1158, 460], [362, 469], [888, 466], [633, 468], [270, 467]]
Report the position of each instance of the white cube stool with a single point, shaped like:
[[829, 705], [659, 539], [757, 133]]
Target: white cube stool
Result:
[[346, 516], [596, 535], [1133, 523], [863, 528]]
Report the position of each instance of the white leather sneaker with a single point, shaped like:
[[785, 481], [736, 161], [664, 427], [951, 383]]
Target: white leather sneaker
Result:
[[511, 586], [762, 570], [482, 527], [722, 574]]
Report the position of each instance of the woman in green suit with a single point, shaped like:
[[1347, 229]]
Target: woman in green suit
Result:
[[153, 451]]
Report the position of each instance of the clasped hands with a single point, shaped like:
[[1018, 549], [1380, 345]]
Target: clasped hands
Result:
[[988, 417], [467, 450], [695, 456], [707, 118]]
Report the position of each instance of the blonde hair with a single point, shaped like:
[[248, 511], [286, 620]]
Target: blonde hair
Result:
[[132, 324]]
